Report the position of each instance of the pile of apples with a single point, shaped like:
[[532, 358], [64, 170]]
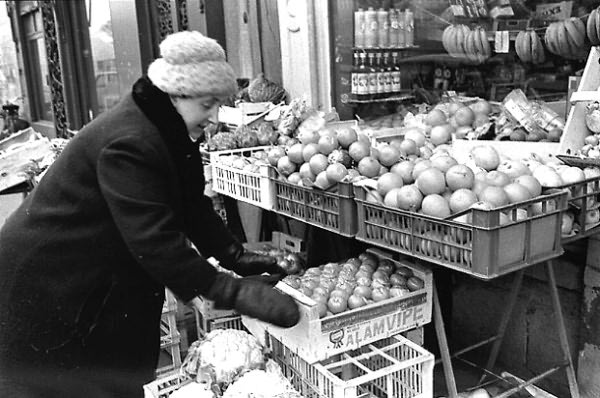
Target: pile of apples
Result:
[[356, 282], [591, 147]]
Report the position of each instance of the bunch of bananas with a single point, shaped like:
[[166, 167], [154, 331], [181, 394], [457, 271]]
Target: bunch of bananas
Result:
[[593, 27], [461, 42], [529, 48], [567, 38]]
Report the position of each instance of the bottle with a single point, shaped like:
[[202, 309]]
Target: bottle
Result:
[[371, 28], [401, 29], [380, 74], [409, 35], [363, 78], [383, 27], [387, 66], [359, 28], [396, 78], [354, 75], [372, 71], [393, 32]]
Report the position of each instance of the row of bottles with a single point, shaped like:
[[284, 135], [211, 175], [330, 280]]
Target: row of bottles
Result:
[[384, 28], [375, 75]]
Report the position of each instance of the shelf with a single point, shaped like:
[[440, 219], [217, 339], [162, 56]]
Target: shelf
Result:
[[367, 49], [396, 98], [585, 96]]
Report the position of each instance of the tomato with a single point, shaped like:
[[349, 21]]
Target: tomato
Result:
[[415, 283], [346, 275], [363, 281], [333, 267], [367, 256], [349, 268], [380, 283], [380, 294], [354, 261], [328, 284], [338, 293], [364, 291], [310, 283], [348, 287], [305, 291], [397, 280], [320, 290], [388, 269], [356, 301], [322, 309], [380, 275], [320, 298], [337, 304], [385, 262], [367, 268], [362, 274], [398, 291], [313, 271], [404, 271]]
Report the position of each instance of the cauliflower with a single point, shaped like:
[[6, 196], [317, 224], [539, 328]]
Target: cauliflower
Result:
[[223, 353], [257, 383]]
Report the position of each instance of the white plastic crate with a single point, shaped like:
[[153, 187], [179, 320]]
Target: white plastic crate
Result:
[[165, 385], [246, 186], [205, 326], [390, 368]]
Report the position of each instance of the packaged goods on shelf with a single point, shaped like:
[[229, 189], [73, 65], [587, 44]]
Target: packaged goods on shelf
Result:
[[320, 335]]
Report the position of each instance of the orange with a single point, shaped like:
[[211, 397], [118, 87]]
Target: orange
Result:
[[369, 167], [409, 198], [359, 150], [431, 181], [308, 136], [336, 172], [453, 107], [294, 178], [441, 134], [318, 163], [547, 176], [436, 206], [295, 153], [462, 199], [514, 168], [485, 157], [404, 169], [420, 166], [531, 183], [443, 162], [494, 196], [517, 193], [286, 166], [481, 107], [327, 143], [391, 198], [346, 136], [416, 134], [409, 147], [306, 172], [459, 176], [497, 178], [387, 182], [388, 155], [309, 150], [435, 117], [464, 116]]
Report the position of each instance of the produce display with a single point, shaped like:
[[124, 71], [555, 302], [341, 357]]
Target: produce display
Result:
[[567, 38], [462, 42], [529, 47], [356, 282]]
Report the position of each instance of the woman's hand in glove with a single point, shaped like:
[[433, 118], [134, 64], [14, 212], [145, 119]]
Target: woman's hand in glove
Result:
[[255, 299], [245, 263]]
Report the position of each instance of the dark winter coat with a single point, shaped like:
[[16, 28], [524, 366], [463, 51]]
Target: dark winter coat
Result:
[[85, 259]]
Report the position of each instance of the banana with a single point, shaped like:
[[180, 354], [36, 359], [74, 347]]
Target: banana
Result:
[[470, 48], [551, 38], [597, 23], [487, 49], [446, 38], [576, 30], [520, 47], [537, 49], [460, 40], [565, 49], [477, 46], [590, 28]]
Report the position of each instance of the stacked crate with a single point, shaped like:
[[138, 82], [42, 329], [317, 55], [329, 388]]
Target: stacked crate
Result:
[[356, 353]]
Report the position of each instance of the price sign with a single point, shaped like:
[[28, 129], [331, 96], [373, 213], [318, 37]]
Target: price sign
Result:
[[501, 42]]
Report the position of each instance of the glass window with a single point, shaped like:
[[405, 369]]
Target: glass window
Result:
[[108, 85], [10, 85]]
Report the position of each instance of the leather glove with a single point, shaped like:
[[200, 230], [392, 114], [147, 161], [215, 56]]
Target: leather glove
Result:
[[245, 263], [255, 299]]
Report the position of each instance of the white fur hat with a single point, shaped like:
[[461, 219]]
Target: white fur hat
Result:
[[192, 65]]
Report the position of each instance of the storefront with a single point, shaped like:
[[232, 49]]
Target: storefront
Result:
[[442, 83]]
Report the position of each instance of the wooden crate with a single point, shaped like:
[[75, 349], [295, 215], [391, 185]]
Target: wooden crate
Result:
[[316, 339]]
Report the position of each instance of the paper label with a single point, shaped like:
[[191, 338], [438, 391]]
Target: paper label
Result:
[[502, 42]]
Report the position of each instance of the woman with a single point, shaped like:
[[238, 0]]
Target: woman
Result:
[[85, 259]]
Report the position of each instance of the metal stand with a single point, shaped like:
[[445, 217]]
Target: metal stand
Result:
[[497, 340]]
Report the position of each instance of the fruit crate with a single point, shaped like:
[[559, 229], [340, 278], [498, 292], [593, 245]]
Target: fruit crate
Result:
[[317, 339], [333, 211], [584, 203], [530, 232], [166, 385], [392, 367], [205, 326], [255, 188]]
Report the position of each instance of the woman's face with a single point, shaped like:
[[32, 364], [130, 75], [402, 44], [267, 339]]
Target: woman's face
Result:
[[197, 112]]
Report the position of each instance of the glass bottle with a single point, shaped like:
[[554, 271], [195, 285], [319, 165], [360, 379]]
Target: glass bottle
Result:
[[383, 27], [354, 75], [363, 78], [371, 28], [387, 66], [359, 28], [396, 77], [409, 35], [372, 88]]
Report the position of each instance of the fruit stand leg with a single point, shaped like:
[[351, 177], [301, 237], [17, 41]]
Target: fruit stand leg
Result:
[[512, 300], [443, 342], [562, 333]]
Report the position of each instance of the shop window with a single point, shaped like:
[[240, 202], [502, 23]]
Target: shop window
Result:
[[108, 85], [10, 86], [41, 98]]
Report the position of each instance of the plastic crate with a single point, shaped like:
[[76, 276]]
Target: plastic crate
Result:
[[333, 211], [391, 368], [484, 249], [316, 339], [165, 385], [583, 198], [205, 326], [246, 186]]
